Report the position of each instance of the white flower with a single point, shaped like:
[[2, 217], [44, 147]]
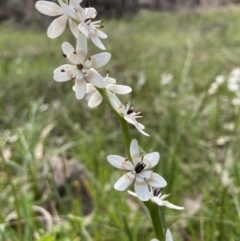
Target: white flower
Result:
[[157, 197], [166, 79], [81, 70], [220, 79], [96, 97], [137, 172], [127, 112], [88, 27], [168, 236], [57, 27]]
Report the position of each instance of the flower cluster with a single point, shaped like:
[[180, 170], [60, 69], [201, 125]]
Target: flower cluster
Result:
[[82, 69]]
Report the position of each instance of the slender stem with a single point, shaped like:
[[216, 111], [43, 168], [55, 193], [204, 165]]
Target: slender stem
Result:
[[17, 207], [153, 210], [123, 123]]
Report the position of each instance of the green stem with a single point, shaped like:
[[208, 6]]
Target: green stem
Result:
[[153, 210], [123, 123]]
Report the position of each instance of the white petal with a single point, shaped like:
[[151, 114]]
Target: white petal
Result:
[[95, 78], [57, 26], [141, 189], [80, 87], [69, 11], [67, 48], [154, 239], [119, 89], [154, 179], [168, 236], [90, 88], [157, 200], [125, 181], [132, 193], [84, 29], [130, 119], [95, 100], [134, 151], [90, 12], [151, 160], [101, 34], [172, 206], [73, 27], [64, 72], [49, 8], [98, 60], [95, 39], [120, 162], [81, 47], [110, 80], [76, 3]]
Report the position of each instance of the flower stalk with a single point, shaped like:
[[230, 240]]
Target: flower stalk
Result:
[[157, 224], [123, 124]]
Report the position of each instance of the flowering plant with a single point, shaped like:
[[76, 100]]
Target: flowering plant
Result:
[[82, 70]]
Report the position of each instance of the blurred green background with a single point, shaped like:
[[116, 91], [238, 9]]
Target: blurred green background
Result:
[[183, 68]]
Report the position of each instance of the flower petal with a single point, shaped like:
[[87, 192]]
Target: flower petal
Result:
[[64, 73], [90, 88], [172, 206], [110, 80], [125, 181], [95, 100], [120, 162], [151, 160], [49, 8], [80, 87], [98, 60], [141, 188], [69, 11], [57, 26], [134, 152], [119, 89], [132, 193], [101, 34], [168, 236], [84, 29], [154, 179], [95, 78], [81, 47], [95, 39], [90, 12], [73, 27]]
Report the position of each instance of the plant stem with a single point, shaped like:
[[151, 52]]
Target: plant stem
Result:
[[153, 210], [123, 123]]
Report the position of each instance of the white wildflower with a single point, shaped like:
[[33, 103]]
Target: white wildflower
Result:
[[137, 172], [111, 87], [157, 197], [166, 79], [127, 112], [81, 70], [57, 27]]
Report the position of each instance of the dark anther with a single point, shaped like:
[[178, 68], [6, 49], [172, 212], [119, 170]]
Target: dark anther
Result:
[[62, 70], [130, 111], [156, 191], [64, 55], [74, 52], [88, 19], [89, 59], [139, 167], [80, 66]]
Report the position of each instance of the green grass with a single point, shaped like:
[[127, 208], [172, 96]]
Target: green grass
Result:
[[185, 124]]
